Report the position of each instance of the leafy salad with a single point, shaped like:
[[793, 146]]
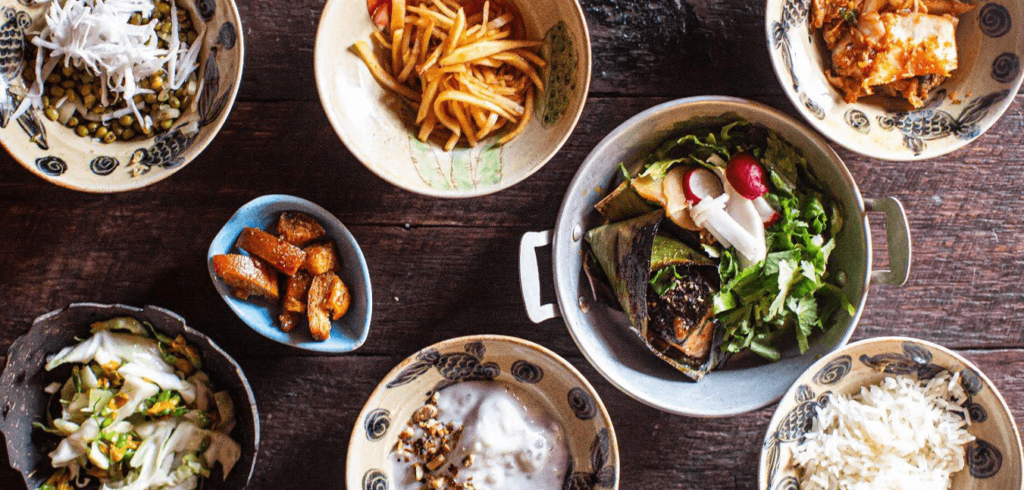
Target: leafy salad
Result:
[[137, 413], [743, 264]]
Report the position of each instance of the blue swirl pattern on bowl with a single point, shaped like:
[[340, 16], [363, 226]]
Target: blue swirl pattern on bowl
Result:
[[965, 107], [144, 161], [530, 368], [993, 459]]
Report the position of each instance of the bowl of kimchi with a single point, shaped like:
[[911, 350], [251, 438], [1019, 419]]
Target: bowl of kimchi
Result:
[[898, 79]]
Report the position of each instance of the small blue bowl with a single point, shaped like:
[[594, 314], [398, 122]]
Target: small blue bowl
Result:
[[348, 333]]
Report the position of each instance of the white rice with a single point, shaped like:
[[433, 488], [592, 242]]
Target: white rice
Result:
[[901, 434]]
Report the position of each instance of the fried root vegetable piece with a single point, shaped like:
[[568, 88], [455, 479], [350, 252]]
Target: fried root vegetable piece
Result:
[[298, 228], [248, 275], [338, 298], [317, 308], [284, 256], [289, 320], [321, 258], [296, 290]]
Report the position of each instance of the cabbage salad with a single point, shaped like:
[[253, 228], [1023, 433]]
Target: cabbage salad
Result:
[[137, 413]]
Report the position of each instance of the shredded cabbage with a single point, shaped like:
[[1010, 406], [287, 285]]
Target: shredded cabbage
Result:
[[130, 414]]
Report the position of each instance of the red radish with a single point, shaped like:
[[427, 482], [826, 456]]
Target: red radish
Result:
[[747, 176], [699, 183]]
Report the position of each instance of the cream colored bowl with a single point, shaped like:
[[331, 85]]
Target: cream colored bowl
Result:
[[377, 125], [531, 369], [55, 153], [993, 460], [990, 42]]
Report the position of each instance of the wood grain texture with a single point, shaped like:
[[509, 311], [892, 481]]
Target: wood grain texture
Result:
[[308, 408], [444, 268], [661, 48]]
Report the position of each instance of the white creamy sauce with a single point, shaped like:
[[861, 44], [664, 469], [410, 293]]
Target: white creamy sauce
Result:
[[514, 441]]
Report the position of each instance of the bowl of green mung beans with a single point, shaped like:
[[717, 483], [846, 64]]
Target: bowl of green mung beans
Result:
[[111, 96]]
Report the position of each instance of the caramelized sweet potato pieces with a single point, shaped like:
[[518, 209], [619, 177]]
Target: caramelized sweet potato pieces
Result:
[[317, 309], [284, 256], [289, 320], [321, 258], [338, 298], [304, 281], [248, 275], [295, 291], [328, 300], [298, 228]]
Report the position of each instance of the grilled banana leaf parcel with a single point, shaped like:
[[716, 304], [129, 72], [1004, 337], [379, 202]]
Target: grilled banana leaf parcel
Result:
[[665, 288]]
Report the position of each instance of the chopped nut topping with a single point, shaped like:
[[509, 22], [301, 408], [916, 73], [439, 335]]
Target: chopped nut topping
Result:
[[427, 442]]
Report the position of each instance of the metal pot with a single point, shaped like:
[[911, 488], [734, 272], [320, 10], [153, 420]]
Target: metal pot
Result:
[[602, 334]]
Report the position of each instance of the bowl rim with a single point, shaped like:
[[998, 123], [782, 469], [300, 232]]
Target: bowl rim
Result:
[[139, 311], [355, 439], [335, 119], [309, 346], [865, 150], [573, 192], [200, 148], [847, 349]]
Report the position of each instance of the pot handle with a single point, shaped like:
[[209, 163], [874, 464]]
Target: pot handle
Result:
[[897, 239], [529, 276]]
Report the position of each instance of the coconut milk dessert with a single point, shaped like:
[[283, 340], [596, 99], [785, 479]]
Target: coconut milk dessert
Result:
[[481, 435]]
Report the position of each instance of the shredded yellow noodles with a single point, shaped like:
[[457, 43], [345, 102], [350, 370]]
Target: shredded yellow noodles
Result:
[[461, 63]]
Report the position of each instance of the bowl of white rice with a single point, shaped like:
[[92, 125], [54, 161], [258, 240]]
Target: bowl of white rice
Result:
[[892, 413]]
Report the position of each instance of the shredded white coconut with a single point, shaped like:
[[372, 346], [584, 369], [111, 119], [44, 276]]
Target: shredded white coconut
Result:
[[97, 35], [901, 434]]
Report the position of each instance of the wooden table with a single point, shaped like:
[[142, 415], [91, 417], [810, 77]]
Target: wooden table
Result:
[[444, 268]]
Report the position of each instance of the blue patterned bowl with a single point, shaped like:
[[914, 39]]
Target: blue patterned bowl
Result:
[[533, 370], [990, 41], [347, 333], [993, 460], [55, 153]]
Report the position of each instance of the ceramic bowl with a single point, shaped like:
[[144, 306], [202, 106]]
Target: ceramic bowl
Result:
[[55, 153], [376, 125], [347, 333], [993, 460], [603, 334], [529, 368], [24, 378], [990, 42]]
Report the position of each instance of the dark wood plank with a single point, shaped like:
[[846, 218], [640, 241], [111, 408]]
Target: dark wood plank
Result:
[[666, 48], [964, 289], [308, 407], [445, 268]]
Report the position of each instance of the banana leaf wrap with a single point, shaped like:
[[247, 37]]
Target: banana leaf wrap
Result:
[[630, 253]]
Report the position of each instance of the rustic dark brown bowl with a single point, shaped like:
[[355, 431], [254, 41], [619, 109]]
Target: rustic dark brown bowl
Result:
[[23, 401]]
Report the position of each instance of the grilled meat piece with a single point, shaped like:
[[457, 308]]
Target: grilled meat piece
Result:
[[683, 318]]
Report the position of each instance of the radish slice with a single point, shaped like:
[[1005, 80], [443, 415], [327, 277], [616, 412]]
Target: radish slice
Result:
[[711, 215], [746, 175], [699, 183], [765, 210], [677, 207], [743, 212], [703, 211]]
